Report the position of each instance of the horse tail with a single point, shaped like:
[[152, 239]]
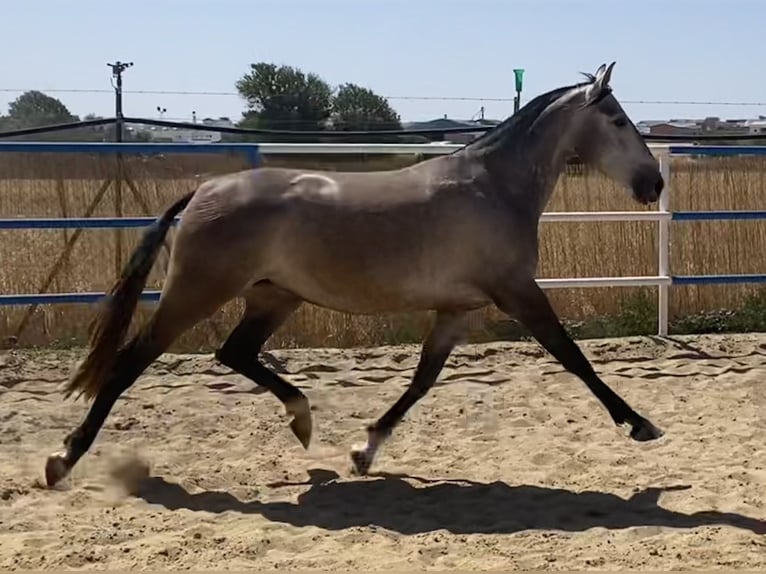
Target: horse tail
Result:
[[112, 322]]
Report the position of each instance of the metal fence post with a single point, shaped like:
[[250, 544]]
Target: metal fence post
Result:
[[254, 156], [663, 247]]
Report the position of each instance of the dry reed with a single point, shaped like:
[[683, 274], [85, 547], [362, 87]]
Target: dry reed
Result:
[[43, 185]]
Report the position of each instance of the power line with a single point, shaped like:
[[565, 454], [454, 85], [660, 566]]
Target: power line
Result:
[[692, 103], [422, 98]]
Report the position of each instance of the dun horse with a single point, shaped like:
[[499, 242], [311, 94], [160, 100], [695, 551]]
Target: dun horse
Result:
[[450, 234]]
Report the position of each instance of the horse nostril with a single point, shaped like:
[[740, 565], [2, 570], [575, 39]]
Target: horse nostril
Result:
[[658, 187]]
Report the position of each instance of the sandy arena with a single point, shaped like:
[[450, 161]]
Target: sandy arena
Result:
[[509, 463]]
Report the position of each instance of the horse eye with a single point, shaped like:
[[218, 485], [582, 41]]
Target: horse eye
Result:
[[621, 122]]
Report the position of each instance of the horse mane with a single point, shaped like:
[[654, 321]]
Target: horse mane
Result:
[[519, 123]]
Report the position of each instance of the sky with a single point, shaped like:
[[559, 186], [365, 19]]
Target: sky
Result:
[[666, 50]]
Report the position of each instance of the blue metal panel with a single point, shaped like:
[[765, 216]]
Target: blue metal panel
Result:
[[79, 223], [717, 279], [716, 215], [717, 150], [48, 298]]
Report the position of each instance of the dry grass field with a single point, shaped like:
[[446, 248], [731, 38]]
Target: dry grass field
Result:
[[48, 185]]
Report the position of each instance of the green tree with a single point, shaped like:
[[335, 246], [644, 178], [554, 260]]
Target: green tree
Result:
[[6, 124], [358, 108], [34, 108], [284, 98]]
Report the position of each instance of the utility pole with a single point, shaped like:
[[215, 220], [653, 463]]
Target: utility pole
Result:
[[519, 76], [117, 69]]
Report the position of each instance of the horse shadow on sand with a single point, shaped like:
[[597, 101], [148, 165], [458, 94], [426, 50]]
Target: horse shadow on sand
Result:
[[460, 506]]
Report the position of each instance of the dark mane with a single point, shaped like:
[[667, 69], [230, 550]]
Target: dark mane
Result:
[[519, 122]]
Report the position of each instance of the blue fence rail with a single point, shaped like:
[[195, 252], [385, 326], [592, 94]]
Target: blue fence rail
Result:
[[253, 152], [79, 223], [718, 215], [250, 150], [60, 298]]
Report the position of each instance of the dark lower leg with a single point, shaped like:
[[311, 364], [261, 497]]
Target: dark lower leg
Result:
[[532, 308], [436, 350], [296, 403], [430, 365], [246, 363], [240, 353], [129, 364]]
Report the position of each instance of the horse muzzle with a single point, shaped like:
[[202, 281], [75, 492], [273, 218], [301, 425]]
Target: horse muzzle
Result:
[[647, 186]]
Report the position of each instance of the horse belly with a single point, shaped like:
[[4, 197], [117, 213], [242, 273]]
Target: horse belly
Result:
[[372, 287]]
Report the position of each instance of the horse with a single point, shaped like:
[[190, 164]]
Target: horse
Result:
[[448, 235]]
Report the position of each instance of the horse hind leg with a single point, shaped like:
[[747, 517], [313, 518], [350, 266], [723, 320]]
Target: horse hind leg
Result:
[[446, 332], [267, 307], [130, 362], [183, 304]]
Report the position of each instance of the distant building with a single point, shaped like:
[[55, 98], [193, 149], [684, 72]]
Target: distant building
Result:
[[669, 128], [694, 127], [756, 126], [446, 123], [183, 135]]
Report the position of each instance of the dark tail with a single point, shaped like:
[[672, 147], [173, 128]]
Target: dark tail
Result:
[[110, 326]]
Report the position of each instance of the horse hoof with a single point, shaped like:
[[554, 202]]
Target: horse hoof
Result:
[[301, 425], [56, 468], [644, 431], [361, 461]]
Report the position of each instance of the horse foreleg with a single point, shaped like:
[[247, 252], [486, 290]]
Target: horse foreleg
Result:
[[444, 335], [528, 304]]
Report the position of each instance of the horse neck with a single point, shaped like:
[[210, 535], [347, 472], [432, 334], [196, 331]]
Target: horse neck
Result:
[[525, 163]]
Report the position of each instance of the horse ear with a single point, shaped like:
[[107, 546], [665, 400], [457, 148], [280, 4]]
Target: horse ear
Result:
[[600, 70], [603, 75], [607, 74], [599, 84]]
